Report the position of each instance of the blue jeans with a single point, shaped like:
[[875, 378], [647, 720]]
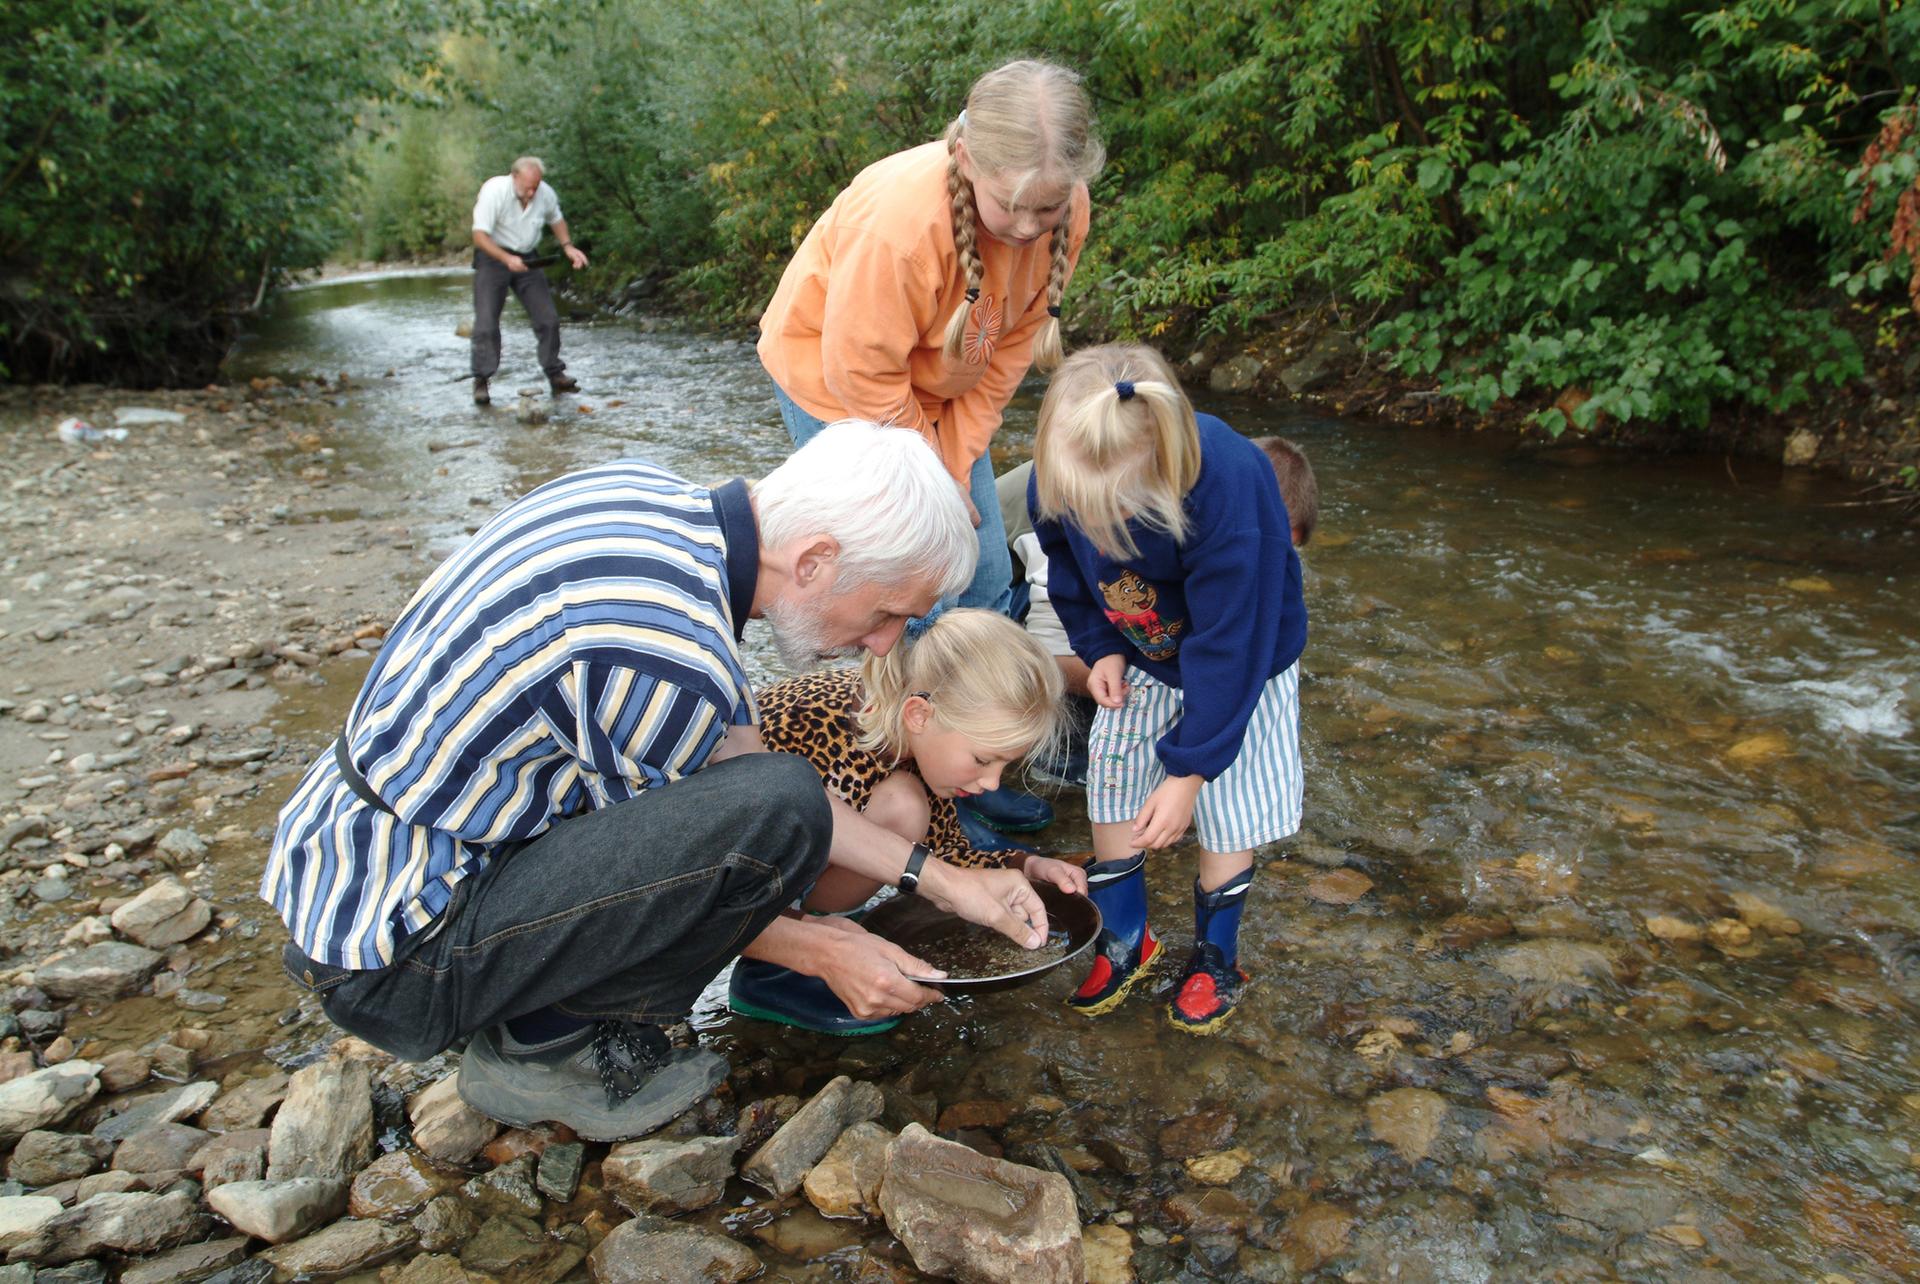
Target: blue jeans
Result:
[[626, 912], [992, 585]]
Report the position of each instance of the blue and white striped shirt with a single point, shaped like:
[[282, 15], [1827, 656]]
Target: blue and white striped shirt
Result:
[[581, 648]]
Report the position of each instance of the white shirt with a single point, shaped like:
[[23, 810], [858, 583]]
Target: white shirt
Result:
[[514, 228]]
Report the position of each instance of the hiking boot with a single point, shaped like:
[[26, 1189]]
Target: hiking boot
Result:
[[481, 397], [1126, 948], [608, 1082], [1209, 990], [562, 383], [769, 992], [1212, 983], [1009, 810]]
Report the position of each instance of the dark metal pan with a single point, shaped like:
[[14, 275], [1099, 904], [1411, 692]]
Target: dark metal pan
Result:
[[915, 926]]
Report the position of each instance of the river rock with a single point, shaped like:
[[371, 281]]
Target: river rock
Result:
[[182, 847], [43, 1158], [45, 1097], [1108, 1251], [187, 1263], [668, 1174], [278, 1211], [247, 1106], [965, 1216], [1555, 962], [161, 1147], [1235, 374], [325, 1126], [133, 1222], [1198, 1133], [655, 1251], [431, 1268], [779, 1165], [1325, 355], [508, 1188], [1408, 1119], [846, 1182], [104, 971], [22, 1216], [1315, 1235], [1624, 1201], [510, 1247], [446, 1127], [1208, 1212], [445, 1223], [166, 914], [1803, 445], [234, 1156], [339, 1249], [558, 1175], [124, 1069], [158, 1108], [398, 1184]]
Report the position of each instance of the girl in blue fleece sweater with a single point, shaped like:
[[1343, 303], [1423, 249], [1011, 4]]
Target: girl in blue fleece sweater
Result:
[[1170, 561]]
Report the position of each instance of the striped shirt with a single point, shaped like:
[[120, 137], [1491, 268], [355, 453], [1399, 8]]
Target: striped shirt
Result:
[[580, 649]]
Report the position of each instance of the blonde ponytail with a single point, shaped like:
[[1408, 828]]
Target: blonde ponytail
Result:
[[984, 677]]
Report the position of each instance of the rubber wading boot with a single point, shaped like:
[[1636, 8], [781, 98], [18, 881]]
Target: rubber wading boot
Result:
[[983, 837], [1009, 810], [1212, 984], [1126, 948], [608, 1082], [481, 397], [769, 992], [562, 383]]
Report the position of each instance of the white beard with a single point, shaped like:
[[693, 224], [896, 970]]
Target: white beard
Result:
[[799, 636]]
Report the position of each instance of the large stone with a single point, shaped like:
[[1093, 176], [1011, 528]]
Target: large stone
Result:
[[155, 1109], [1408, 1119], [511, 1247], [446, 1127], [186, 1264], [967, 1217], [655, 1251], [397, 1185], [1235, 374], [162, 1147], [339, 1249], [133, 1222], [164, 915], [558, 1175], [248, 1105], [1329, 350], [234, 1156], [45, 1097], [325, 1126], [104, 971], [508, 1188], [668, 1174], [431, 1268], [22, 1216], [445, 1223], [43, 1158], [278, 1211], [780, 1165], [846, 1182]]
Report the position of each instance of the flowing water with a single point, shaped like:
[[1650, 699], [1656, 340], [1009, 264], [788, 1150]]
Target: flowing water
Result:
[[1619, 978]]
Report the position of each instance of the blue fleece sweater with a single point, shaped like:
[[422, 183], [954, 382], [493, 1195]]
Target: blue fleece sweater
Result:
[[1218, 616]]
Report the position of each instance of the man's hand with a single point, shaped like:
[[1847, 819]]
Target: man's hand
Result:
[[1066, 877], [1164, 817], [575, 257], [868, 974], [515, 263], [1107, 681], [1001, 899]]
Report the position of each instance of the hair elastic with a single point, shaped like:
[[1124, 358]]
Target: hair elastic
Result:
[[973, 294], [1053, 311], [1125, 389], [963, 118]]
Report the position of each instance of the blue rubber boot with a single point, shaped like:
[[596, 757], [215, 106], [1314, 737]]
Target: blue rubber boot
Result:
[[1009, 810], [1212, 984], [1126, 948], [983, 838], [769, 992]]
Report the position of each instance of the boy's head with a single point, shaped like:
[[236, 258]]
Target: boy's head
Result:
[[1298, 489]]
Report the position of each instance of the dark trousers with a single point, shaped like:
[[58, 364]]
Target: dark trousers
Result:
[[491, 281], [627, 912]]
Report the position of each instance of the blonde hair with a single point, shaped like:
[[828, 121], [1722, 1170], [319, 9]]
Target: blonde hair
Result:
[[985, 677], [1117, 440], [1030, 122]]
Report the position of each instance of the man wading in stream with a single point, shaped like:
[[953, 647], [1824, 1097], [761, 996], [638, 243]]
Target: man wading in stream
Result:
[[507, 218], [549, 821]]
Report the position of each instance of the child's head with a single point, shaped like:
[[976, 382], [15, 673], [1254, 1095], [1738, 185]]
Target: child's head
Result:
[[1014, 158], [1298, 489], [974, 693], [1117, 440]]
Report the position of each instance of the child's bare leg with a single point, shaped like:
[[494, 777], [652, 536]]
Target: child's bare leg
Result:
[[1073, 671], [899, 803], [1217, 868], [1113, 842]]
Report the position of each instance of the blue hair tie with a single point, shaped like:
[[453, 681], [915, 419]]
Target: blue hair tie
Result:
[[1125, 389]]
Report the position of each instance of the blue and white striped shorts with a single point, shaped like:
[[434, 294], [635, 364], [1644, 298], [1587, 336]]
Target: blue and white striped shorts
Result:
[[1256, 800]]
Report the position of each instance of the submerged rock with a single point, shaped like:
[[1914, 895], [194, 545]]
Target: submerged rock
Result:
[[655, 1251], [846, 1182], [780, 1165], [668, 1174], [340, 1249], [966, 1216]]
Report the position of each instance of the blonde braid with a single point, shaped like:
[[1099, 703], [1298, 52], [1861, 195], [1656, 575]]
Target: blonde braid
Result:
[[1048, 349], [960, 197]]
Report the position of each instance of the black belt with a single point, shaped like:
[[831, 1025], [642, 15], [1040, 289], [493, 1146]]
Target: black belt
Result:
[[356, 781]]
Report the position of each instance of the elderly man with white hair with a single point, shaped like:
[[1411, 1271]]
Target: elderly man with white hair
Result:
[[549, 822], [507, 218]]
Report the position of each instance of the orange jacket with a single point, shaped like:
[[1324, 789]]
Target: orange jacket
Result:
[[857, 326]]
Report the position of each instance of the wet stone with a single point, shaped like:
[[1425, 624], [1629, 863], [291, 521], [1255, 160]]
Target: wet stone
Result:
[[132, 1222], [1523, 1065], [279, 1211], [516, 1142], [1208, 1212], [340, 1249], [160, 1147], [46, 1097], [445, 1223], [654, 1251], [123, 1069], [431, 1268], [325, 1125], [107, 970], [782, 1162], [155, 1109], [507, 1189], [804, 1234], [22, 1216], [252, 1271], [163, 915], [246, 1106], [43, 1158], [1408, 1119], [1623, 1201], [1121, 1152], [186, 1264], [505, 1245], [1315, 1235], [84, 1272], [445, 1126], [1198, 1133], [1092, 1201], [396, 1185], [558, 1174], [962, 1214], [846, 1182], [234, 1156], [668, 1175]]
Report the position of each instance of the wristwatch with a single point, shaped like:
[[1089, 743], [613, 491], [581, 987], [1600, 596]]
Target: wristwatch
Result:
[[910, 876]]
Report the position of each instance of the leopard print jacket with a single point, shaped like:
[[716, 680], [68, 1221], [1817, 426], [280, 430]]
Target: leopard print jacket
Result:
[[813, 716]]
